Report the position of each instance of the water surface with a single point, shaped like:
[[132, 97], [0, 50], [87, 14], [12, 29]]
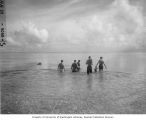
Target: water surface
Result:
[[27, 88]]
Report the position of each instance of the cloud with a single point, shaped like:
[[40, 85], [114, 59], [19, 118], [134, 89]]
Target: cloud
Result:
[[41, 34], [119, 26], [13, 42], [28, 35]]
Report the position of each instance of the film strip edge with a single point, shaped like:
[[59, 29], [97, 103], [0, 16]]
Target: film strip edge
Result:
[[2, 23]]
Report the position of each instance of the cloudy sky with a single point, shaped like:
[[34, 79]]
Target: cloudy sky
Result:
[[75, 25]]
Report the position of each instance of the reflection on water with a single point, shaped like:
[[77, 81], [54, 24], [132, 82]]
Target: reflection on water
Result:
[[60, 74], [101, 77], [89, 81]]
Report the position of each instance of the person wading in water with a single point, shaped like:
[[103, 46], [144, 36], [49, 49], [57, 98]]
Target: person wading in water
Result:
[[61, 67], [89, 64], [74, 66], [101, 64], [78, 65]]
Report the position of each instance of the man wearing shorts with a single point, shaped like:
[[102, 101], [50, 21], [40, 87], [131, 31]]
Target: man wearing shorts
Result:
[[89, 64]]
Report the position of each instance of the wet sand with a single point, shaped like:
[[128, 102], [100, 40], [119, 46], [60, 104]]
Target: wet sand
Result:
[[50, 92]]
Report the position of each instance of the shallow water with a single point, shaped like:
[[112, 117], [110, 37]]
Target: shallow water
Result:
[[118, 62], [30, 89], [50, 92]]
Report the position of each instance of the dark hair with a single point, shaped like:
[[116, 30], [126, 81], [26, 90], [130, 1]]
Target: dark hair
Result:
[[100, 57], [74, 60], [79, 60], [89, 57], [61, 60]]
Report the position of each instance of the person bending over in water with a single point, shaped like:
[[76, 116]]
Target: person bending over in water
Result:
[[78, 65], [89, 65], [74, 67], [61, 67], [101, 64]]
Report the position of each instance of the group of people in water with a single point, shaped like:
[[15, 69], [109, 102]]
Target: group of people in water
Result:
[[75, 67]]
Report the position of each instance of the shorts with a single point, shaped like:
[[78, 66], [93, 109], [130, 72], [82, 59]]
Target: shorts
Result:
[[74, 70], [61, 70], [89, 69], [100, 67]]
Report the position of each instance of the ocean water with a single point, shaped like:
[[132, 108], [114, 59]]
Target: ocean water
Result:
[[27, 88], [118, 62]]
